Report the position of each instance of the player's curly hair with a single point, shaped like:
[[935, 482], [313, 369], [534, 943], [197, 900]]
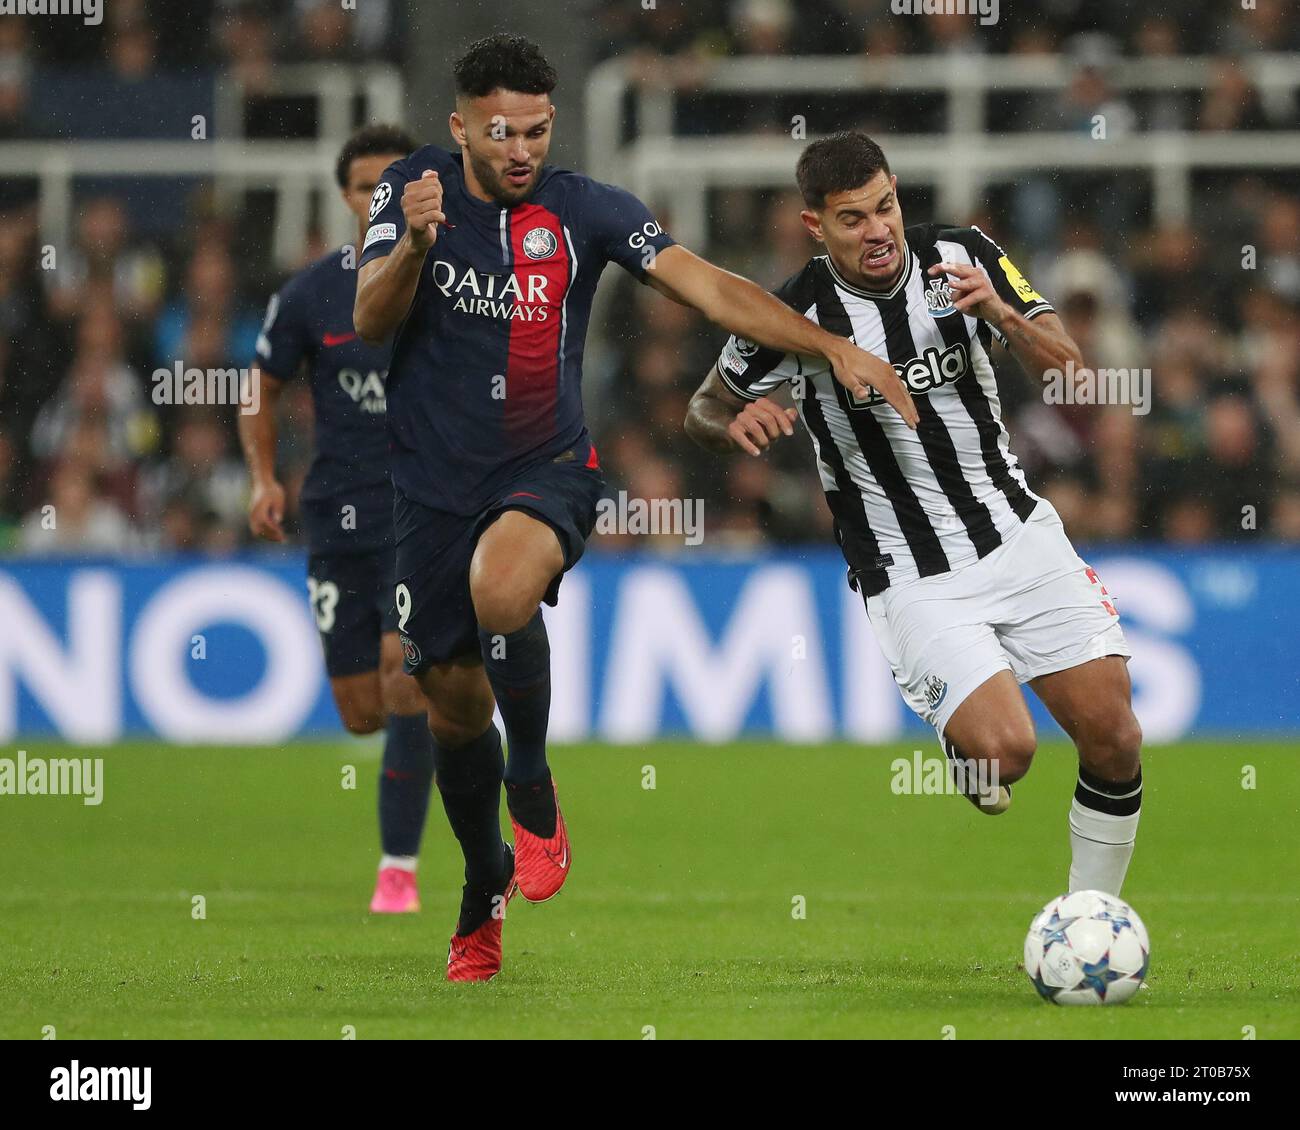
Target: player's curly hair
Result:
[[371, 141], [837, 163], [504, 62]]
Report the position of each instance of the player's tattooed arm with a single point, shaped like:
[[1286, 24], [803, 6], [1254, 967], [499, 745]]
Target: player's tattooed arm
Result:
[[720, 421], [1038, 345], [747, 310], [386, 287], [257, 436]]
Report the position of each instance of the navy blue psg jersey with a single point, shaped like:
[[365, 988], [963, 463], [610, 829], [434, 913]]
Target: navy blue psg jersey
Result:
[[347, 500], [486, 374]]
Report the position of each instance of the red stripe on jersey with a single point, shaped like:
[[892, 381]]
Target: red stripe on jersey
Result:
[[541, 272]]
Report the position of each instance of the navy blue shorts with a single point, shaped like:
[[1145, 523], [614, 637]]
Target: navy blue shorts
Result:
[[352, 600], [434, 549]]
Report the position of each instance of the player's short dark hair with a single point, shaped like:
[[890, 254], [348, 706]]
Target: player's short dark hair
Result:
[[371, 141], [504, 62], [844, 160]]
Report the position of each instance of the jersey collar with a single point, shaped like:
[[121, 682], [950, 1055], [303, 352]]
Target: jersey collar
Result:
[[903, 276]]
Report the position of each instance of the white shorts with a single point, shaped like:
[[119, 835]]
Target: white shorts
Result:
[[1032, 606]]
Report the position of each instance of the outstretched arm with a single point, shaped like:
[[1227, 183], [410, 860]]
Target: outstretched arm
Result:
[[747, 310]]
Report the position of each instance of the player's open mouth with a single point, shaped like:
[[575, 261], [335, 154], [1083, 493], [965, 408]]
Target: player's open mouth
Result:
[[519, 177], [882, 256]]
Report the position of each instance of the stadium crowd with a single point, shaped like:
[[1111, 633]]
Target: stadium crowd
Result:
[[1210, 308]]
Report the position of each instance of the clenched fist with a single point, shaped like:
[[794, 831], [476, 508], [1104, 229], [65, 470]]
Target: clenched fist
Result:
[[422, 207]]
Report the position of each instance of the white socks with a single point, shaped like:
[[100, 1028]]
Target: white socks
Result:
[[401, 862], [1103, 825]]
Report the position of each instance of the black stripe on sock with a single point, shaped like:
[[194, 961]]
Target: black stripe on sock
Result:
[[1114, 798]]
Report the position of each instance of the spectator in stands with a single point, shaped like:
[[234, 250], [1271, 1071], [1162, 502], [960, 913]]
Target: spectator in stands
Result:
[[101, 389], [209, 293], [132, 47], [1285, 525], [1073, 501], [955, 33], [787, 245], [75, 519], [1268, 349], [1167, 296], [762, 27], [15, 80], [30, 350], [1263, 25], [1187, 518], [1231, 103], [245, 35], [1237, 471], [324, 31], [200, 475], [1158, 36], [1171, 268], [104, 256], [1279, 245]]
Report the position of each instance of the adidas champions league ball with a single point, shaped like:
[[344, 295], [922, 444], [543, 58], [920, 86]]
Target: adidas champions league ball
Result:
[[1087, 947]]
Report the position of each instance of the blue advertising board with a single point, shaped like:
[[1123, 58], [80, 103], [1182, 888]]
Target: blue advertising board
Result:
[[698, 644]]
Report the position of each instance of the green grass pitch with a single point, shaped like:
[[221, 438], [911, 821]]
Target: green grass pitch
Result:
[[677, 918]]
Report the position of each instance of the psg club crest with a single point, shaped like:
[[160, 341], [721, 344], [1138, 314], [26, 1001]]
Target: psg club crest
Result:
[[383, 194], [409, 650], [540, 243], [938, 299]]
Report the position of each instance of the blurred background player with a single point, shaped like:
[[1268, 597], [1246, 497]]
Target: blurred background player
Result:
[[496, 477], [347, 513], [969, 580]]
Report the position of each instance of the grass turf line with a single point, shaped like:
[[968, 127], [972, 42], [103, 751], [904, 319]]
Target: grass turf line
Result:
[[678, 913]]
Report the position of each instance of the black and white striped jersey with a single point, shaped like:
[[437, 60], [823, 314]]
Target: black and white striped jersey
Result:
[[906, 504]]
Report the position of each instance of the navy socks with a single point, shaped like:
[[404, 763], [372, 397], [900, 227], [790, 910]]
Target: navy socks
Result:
[[405, 780], [469, 780], [518, 665]]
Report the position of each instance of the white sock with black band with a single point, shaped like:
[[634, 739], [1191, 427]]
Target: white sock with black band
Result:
[[1103, 826]]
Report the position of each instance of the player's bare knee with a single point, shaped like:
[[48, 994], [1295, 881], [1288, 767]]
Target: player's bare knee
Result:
[[447, 734], [359, 702], [1008, 747], [1013, 750], [504, 598], [457, 726], [361, 718], [1110, 745]]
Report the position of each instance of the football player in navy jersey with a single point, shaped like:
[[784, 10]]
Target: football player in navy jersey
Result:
[[484, 263], [347, 513]]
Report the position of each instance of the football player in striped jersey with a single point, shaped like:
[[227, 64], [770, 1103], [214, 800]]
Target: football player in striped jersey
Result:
[[970, 584]]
